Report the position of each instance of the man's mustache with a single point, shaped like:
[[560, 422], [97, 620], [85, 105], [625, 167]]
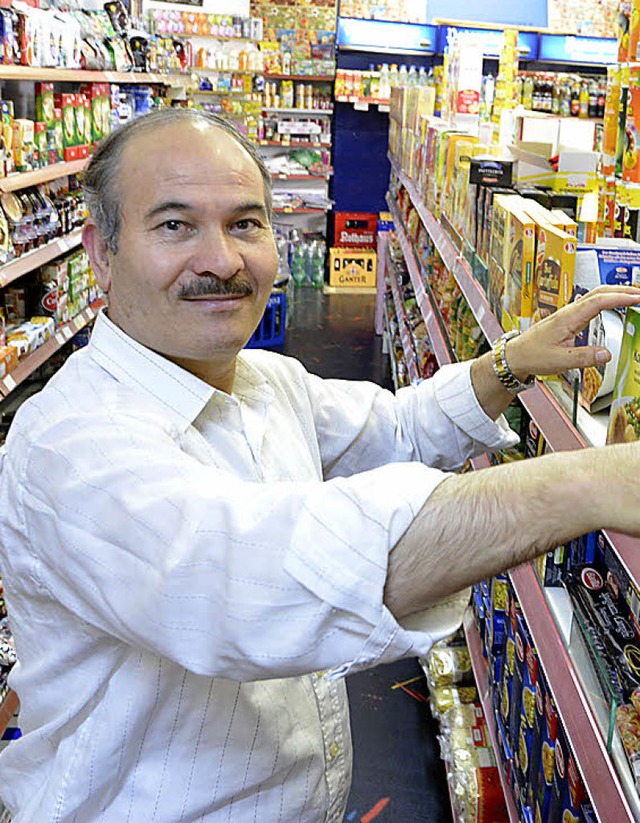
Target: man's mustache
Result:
[[211, 286]]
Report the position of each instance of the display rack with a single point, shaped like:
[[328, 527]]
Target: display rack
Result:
[[39, 357], [38, 257], [437, 336], [403, 329], [46, 174], [32, 73], [481, 674], [605, 785]]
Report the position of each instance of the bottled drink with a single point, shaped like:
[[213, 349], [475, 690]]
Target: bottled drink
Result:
[[385, 83], [423, 79], [575, 99], [403, 74], [412, 76], [527, 92], [393, 75], [584, 100], [317, 266]]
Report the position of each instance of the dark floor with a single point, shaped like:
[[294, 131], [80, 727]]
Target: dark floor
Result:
[[398, 776]]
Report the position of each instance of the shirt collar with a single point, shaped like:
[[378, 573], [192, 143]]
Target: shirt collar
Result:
[[128, 361]]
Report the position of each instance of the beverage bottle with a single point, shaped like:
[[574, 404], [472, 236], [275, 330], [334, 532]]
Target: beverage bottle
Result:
[[412, 76], [565, 99], [593, 99], [393, 75], [584, 100], [423, 79], [298, 263], [403, 74], [557, 95], [527, 92], [385, 84], [575, 99], [317, 270]]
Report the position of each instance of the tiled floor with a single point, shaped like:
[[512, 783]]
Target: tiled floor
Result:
[[398, 775]]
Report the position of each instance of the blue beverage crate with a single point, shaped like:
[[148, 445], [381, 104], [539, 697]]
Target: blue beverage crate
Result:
[[271, 329]]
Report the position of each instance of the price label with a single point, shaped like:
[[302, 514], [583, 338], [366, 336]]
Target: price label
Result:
[[480, 313], [60, 338], [287, 210], [9, 383], [361, 106], [67, 332], [88, 315], [383, 107]]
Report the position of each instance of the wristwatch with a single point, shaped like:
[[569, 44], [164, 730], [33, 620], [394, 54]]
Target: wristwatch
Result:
[[501, 366]]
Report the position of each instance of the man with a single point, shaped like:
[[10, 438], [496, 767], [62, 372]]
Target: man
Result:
[[199, 541]]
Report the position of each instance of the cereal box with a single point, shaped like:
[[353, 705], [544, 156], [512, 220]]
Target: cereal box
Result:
[[624, 417]]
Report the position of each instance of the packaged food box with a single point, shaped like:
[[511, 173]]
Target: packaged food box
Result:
[[543, 750], [554, 269], [23, 144], [45, 103], [519, 258], [568, 792], [624, 416]]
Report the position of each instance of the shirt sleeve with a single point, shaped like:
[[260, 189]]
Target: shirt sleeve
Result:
[[439, 423]]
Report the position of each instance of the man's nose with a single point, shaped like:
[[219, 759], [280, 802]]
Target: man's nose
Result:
[[217, 253]]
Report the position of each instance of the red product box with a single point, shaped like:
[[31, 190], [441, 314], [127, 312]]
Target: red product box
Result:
[[355, 229]]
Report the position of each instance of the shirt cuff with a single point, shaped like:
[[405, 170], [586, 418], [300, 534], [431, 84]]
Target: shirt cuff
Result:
[[415, 637], [454, 392]]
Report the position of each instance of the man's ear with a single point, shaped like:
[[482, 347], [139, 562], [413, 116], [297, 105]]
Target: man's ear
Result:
[[98, 254]]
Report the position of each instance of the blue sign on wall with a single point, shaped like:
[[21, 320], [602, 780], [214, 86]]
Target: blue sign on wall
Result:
[[567, 48], [380, 35], [503, 12], [492, 41]]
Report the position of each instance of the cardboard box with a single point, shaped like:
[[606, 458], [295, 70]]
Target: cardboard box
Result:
[[352, 268], [491, 171], [519, 259], [554, 270], [624, 417]]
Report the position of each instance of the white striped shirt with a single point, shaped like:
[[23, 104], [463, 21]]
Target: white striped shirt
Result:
[[186, 592]]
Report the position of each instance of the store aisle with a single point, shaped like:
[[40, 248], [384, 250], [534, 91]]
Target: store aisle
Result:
[[398, 775]]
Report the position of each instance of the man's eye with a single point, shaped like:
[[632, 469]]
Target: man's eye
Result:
[[173, 225], [245, 225]]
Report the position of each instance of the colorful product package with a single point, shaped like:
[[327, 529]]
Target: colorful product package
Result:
[[624, 417], [554, 270], [519, 258]]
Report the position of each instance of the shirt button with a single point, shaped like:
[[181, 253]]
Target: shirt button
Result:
[[334, 750]]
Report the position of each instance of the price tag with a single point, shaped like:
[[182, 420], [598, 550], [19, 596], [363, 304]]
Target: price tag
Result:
[[287, 209], [9, 383], [68, 334], [384, 107], [60, 338], [88, 315], [282, 176], [361, 106], [480, 313]]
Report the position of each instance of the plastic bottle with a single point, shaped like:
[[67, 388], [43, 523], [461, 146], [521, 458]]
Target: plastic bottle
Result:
[[393, 75], [412, 76], [423, 78], [403, 74], [385, 84], [298, 263], [317, 271]]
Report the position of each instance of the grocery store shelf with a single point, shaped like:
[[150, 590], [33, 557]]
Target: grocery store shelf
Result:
[[438, 341], [362, 104], [8, 708], [481, 674], [314, 112], [13, 72], [38, 257], [22, 180], [311, 78], [40, 356], [405, 336], [603, 783]]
